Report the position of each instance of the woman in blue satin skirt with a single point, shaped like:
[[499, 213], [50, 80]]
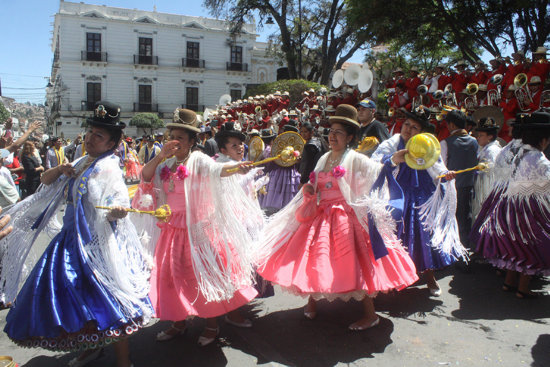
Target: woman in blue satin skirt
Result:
[[431, 247], [89, 287]]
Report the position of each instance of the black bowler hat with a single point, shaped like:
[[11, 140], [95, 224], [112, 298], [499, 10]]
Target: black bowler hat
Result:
[[535, 120], [228, 130], [267, 133], [488, 125], [107, 116], [420, 115]]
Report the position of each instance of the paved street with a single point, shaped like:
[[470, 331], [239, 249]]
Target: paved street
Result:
[[474, 323]]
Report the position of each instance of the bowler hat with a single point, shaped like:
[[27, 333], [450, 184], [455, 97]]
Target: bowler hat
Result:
[[345, 114], [107, 116], [184, 119], [229, 130]]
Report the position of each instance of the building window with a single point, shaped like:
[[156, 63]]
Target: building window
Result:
[[93, 46], [93, 95], [193, 50], [236, 62], [145, 50], [145, 100], [192, 98], [192, 60], [236, 54], [235, 94]]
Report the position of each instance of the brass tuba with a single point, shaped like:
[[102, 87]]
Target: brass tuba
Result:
[[494, 95], [523, 95], [422, 89], [470, 102]]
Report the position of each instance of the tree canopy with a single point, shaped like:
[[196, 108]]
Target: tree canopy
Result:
[[312, 38], [4, 114], [469, 25], [147, 121]]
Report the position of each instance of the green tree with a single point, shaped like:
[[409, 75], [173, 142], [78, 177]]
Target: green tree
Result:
[[469, 25], [316, 35], [4, 114], [147, 121]]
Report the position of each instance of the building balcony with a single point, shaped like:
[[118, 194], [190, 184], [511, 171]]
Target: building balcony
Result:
[[193, 107], [146, 60], [192, 63], [234, 66], [87, 105], [93, 56], [146, 107]]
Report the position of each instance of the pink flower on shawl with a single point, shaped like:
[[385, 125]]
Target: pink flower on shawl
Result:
[[312, 177], [182, 172], [165, 173], [338, 171]]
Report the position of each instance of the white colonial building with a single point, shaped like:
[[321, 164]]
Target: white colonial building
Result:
[[147, 61]]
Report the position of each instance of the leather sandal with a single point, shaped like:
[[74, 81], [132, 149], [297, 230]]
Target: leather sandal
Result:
[[204, 340], [165, 336]]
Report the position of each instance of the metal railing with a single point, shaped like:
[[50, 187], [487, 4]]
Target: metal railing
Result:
[[193, 107], [93, 56], [192, 63], [233, 66], [146, 107], [146, 60]]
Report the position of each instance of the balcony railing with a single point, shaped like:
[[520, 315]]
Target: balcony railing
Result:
[[146, 60], [87, 105], [146, 107], [93, 56], [234, 66], [192, 63], [193, 107]]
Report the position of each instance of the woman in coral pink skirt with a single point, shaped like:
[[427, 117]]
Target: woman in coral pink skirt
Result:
[[202, 265], [336, 238]]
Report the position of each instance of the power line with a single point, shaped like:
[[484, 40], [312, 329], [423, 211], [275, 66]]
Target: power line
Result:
[[30, 76], [24, 88]]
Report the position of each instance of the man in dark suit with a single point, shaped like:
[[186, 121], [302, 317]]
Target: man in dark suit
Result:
[[369, 125], [459, 151]]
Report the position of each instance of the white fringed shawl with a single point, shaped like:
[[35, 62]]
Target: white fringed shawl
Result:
[[485, 180], [114, 253], [361, 173], [438, 213], [222, 222]]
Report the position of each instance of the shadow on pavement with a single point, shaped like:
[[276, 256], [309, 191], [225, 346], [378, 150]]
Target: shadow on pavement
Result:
[[288, 338], [481, 297], [408, 302], [540, 351]]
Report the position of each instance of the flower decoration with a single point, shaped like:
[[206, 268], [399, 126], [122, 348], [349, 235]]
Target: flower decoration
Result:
[[312, 177], [338, 171], [182, 172], [165, 173]]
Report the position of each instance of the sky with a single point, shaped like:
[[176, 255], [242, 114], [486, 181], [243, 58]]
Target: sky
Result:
[[26, 30]]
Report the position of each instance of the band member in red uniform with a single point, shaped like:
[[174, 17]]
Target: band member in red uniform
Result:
[[540, 66]]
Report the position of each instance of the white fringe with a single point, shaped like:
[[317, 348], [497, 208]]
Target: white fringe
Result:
[[438, 215]]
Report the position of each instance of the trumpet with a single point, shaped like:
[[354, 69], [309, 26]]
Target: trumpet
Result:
[[523, 95]]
